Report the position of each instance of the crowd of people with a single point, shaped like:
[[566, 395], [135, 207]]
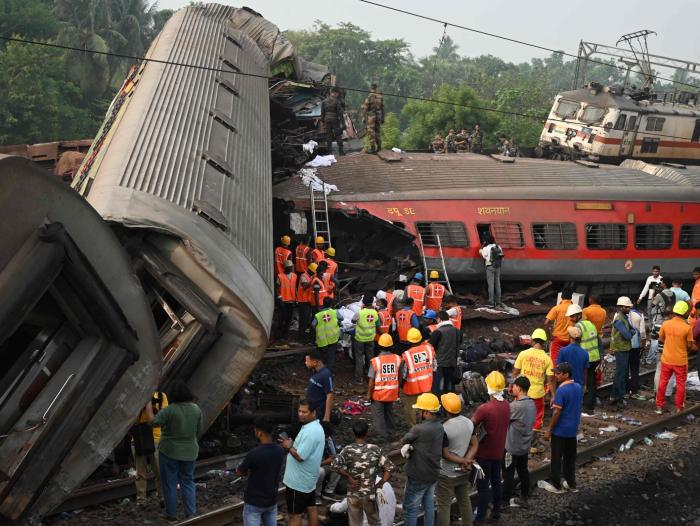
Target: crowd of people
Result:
[[462, 141]]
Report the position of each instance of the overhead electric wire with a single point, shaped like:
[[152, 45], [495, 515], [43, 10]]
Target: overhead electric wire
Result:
[[516, 41], [313, 85]]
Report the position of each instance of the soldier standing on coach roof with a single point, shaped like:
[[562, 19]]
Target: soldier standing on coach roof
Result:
[[477, 139], [333, 122], [373, 110]]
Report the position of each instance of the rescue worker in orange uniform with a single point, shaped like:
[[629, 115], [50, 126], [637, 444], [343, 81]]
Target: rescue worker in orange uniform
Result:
[[282, 254], [405, 319], [286, 298], [329, 277], [305, 294], [316, 255], [318, 286], [383, 389], [434, 292], [330, 259], [302, 255], [417, 367], [387, 324], [558, 322], [416, 292]]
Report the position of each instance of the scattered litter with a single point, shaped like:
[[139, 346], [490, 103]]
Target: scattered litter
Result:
[[645, 496], [604, 458], [629, 444], [202, 485], [610, 358], [496, 329], [631, 421], [622, 448], [309, 178], [396, 150], [692, 382], [608, 429], [220, 473], [690, 418], [536, 303], [648, 441], [321, 160], [131, 472], [309, 147], [580, 437], [350, 407], [666, 435]]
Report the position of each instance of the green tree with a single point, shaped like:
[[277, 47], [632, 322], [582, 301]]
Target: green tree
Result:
[[31, 19], [391, 131]]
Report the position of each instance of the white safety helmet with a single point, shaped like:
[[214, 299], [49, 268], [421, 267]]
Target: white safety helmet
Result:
[[624, 301], [574, 308]]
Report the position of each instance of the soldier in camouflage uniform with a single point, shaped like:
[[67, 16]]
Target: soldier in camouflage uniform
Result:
[[373, 109], [360, 463], [477, 139], [438, 143], [450, 142], [332, 118], [462, 141]]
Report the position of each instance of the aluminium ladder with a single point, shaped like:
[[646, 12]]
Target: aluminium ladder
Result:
[[446, 279], [319, 212]]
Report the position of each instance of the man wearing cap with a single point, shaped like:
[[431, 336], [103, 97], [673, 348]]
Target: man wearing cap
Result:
[[417, 368], [429, 323], [422, 449], [575, 356], [405, 319], [286, 297], [537, 366], [620, 345], [416, 292], [383, 389], [591, 343], [638, 342], [494, 415], [329, 277], [457, 457], [316, 255], [434, 292], [677, 338], [282, 254], [563, 428], [304, 297], [366, 322], [445, 342]]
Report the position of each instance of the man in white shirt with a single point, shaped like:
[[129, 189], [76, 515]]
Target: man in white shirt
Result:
[[648, 290]]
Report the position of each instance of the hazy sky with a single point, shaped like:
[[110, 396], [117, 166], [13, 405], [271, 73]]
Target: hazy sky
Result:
[[558, 25]]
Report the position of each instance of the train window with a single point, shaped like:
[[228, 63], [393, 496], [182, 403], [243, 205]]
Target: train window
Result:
[[555, 236], [650, 145], [690, 236], [606, 236], [632, 123], [696, 131], [506, 234], [650, 237], [620, 122], [566, 109], [655, 123], [451, 233], [593, 114]]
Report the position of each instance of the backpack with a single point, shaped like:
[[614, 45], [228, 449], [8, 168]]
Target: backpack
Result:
[[497, 255]]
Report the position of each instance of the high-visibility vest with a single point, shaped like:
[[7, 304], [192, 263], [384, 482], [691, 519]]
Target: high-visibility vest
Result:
[[419, 367], [403, 323], [385, 319], [366, 327], [328, 284], [386, 377], [316, 255], [617, 342], [418, 294], [390, 303], [332, 266], [288, 286], [433, 327], [302, 252], [327, 329], [281, 255], [305, 295], [457, 319], [589, 340], [433, 296], [322, 292]]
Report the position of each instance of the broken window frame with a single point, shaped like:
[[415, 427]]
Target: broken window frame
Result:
[[604, 236], [561, 102], [689, 238], [507, 234], [452, 233], [564, 234], [653, 236]]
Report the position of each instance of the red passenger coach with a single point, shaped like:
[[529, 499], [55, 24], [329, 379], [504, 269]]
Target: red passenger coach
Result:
[[555, 220]]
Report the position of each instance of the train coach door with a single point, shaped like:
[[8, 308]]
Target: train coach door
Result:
[[628, 136]]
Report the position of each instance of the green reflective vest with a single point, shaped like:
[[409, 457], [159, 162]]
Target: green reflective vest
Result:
[[617, 342], [327, 329], [589, 340], [366, 327]]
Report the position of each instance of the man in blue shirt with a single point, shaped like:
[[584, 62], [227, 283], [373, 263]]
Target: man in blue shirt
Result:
[[574, 355], [678, 291], [563, 428], [303, 464], [320, 387]]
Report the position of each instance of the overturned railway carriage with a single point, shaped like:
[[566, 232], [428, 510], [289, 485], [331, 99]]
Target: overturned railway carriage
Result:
[[554, 220], [604, 123]]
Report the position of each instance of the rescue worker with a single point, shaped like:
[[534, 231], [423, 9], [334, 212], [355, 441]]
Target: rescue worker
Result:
[[430, 323], [438, 144], [444, 341], [319, 288], [302, 256], [595, 314], [366, 322], [145, 449], [417, 367], [455, 313], [590, 342], [330, 281], [333, 121], [405, 319], [330, 260], [383, 389], [373, 111], [326, 324], [316, 255], [287, 297], [477, 139], [462, 141], [450, 139], [416, 292], [386, 321], [305, 295], [537, 366], [621, 345], [557, 317], [434, 292], [282, 254], [389, 296]]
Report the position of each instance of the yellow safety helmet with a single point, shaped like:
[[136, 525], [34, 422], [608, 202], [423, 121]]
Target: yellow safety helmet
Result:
[[330, 251], [433, 274], [496, 381], [385, 340], [681, 308], [414, 335], [286, 240], [320, 240], [427, 402], [539, 334], [312, 267], [452, 403]]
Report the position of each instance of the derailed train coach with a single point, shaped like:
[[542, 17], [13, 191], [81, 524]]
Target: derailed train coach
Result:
[[162, 270]]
